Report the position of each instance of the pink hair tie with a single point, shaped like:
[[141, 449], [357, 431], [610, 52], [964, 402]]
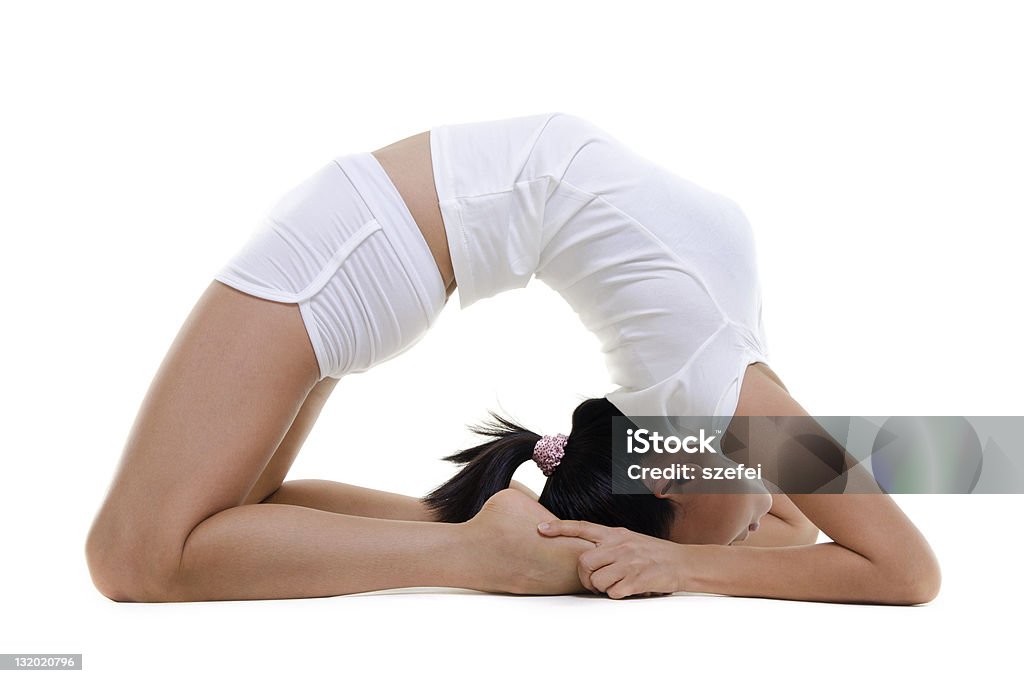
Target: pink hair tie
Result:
[[548, 452]]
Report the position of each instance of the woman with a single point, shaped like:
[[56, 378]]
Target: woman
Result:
[[351, 267]]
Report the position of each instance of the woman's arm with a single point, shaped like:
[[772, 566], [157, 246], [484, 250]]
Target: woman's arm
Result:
[[881, 559], [877, 555]]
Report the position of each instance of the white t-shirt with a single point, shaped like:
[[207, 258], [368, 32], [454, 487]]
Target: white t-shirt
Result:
[[663, 271]]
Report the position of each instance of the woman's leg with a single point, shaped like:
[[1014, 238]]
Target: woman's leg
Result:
[[274, 473], [346, 499], [174, 527]]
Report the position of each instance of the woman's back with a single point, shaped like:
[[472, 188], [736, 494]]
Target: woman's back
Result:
[[662, 270]]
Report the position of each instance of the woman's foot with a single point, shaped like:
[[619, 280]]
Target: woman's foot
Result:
[[519, 486], [516, 558]]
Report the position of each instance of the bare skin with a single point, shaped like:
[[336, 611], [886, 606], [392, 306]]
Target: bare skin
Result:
[[408, 164], [876, 555], [217, 430], [217, 433], [199, 510]]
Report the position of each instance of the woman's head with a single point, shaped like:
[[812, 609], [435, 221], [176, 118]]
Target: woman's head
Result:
[[580, 486]]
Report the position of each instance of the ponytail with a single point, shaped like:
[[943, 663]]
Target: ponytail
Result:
[[579, 488], [487, 469]]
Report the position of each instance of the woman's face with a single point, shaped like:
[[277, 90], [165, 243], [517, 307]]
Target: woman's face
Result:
[[718, 518]]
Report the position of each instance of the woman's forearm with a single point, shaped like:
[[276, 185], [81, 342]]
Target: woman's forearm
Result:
[[825, 572]]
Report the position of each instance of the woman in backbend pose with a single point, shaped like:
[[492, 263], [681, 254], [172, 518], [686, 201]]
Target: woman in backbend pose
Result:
[[351, 267]]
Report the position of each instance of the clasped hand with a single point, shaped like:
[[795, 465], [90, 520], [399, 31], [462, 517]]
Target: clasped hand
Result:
[[622, 562]]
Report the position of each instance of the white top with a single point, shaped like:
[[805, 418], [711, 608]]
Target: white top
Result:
[[661, 270]]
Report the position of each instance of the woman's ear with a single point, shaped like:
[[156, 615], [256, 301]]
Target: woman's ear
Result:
[[664, 489]]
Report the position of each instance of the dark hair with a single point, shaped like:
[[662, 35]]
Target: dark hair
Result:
[[579, 488]]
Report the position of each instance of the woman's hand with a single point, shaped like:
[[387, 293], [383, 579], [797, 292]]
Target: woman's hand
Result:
[[514, 557], [623, 562]]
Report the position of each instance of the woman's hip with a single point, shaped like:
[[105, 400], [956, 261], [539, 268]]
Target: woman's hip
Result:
[[344, 247]]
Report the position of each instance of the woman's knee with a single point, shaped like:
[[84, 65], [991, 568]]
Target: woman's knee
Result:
[[128, 563]]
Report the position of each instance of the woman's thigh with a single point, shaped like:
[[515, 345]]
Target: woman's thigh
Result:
[[222, 401], [274, 473]]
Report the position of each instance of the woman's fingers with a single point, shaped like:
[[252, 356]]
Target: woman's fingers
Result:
[[584, 575], [597, 557], [606, 577], [589, 562], [622, 563], [595, 533], [596, 567]]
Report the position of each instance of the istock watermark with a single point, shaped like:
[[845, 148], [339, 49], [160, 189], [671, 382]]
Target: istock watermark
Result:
[[821, 454], [644, 441]]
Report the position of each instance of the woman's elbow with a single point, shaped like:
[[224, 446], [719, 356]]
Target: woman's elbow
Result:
[[916, 582]]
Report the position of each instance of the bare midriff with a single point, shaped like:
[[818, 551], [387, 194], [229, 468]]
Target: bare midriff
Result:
[[408, 164]]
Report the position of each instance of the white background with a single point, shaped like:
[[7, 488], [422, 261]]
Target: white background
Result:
[[876, 149]]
